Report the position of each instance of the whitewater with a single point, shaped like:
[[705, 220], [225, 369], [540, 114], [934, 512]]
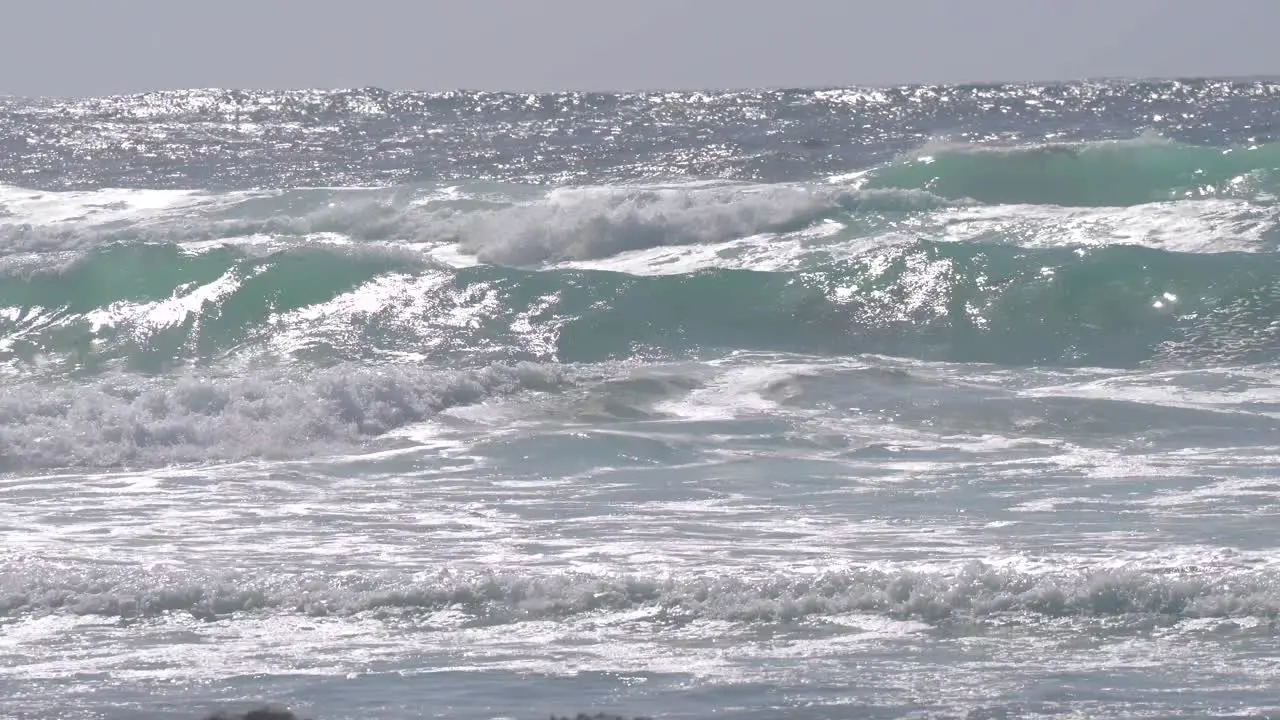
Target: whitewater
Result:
[[916, 402]]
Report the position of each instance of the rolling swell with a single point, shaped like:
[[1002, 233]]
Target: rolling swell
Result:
[[1129, 172], [152, 307]]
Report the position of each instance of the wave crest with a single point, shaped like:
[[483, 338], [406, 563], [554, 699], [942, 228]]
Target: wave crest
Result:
[[599, 222]]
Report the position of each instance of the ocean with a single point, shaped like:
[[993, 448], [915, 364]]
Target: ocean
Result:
[[915, 402]]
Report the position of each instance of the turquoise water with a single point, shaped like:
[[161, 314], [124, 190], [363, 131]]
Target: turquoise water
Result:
[[916, 402]]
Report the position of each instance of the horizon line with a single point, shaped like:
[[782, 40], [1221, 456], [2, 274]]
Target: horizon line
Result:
[[658, 89]]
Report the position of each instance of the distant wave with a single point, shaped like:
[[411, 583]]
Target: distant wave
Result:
[[1171, 195], [1128, 172]]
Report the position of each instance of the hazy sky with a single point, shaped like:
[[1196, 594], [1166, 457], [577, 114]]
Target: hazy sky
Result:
[[69, 47]]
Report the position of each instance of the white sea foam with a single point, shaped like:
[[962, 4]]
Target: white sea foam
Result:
[[130, 420], [587, 223], [1192, 226], [968, 592]]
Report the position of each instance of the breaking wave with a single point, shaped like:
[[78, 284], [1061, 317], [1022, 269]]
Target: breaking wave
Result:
[[971, 593], [155, 308]]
